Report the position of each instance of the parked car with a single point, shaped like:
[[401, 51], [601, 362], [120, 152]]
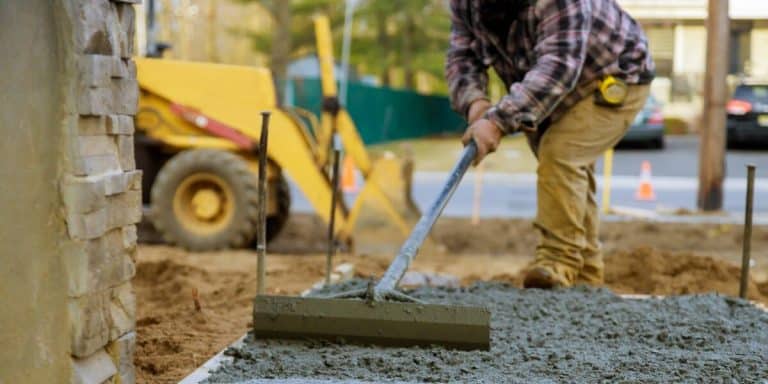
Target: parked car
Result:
[[648, 127], [748, 115]]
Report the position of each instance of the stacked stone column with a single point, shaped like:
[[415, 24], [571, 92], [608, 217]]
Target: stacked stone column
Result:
[[101, 191]]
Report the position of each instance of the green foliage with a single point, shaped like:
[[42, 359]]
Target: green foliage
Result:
[[417, 32], [408, 34], [299, 34]]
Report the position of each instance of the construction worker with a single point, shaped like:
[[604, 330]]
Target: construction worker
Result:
[[577, 73]]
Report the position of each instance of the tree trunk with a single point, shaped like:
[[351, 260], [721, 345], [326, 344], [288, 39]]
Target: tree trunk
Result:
[[383, 40], [407, 55], [281, 40]]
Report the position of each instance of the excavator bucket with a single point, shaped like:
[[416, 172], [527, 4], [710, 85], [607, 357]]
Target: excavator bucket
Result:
[[383, 212], [394, 176]]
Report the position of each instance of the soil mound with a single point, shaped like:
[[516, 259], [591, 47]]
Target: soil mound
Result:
[[648, 271]]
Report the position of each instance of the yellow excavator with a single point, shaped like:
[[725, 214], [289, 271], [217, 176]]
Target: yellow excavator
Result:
[[198, 127]]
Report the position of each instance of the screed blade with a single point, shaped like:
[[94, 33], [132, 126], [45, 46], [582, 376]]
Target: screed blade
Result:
[[382, 323]]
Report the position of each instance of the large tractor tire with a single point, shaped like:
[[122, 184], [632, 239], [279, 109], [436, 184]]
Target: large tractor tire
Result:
[[206, 199]]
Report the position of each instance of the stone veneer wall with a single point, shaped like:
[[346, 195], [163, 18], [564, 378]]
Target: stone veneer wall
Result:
[[70, 194], [101, 191]]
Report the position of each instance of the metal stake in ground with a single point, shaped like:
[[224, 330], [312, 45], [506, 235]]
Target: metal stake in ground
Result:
[[261, 232], [747, 247], [334, 198]]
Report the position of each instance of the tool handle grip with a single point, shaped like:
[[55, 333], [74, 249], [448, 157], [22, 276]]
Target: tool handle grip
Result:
[[422, 228]]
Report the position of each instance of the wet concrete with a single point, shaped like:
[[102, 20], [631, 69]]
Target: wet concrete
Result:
[[580, 335]]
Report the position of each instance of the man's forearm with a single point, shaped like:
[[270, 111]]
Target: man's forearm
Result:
[[477, 109], [466, 81]]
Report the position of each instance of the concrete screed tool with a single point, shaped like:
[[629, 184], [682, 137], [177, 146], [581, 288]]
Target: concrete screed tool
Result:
[[381, 314]]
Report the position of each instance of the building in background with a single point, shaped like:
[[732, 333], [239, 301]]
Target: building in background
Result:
[[677, 34]]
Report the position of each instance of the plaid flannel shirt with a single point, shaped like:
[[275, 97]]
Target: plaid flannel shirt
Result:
[[549, 53]]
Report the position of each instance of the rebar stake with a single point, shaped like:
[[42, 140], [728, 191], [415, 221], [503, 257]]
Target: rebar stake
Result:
[[747, 246], [261, 231], [334, 198]]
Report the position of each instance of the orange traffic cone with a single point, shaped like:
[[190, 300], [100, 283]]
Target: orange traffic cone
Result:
[[645, 190], [348, 176]]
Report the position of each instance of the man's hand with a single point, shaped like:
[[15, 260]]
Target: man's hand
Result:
[[486, 134], [477, 109]]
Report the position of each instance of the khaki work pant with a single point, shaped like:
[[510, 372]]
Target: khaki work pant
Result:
[[567, 213]]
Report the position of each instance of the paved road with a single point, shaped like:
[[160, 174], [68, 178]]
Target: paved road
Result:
[[675, 182], [515, 195], [681, 159]]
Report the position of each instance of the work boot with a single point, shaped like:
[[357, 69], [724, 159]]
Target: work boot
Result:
[[547, 274], [593, 271]]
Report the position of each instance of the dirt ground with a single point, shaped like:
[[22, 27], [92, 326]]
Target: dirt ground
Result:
[[644, 258]]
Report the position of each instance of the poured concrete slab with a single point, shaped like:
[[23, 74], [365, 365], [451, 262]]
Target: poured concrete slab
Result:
[[581, 334]]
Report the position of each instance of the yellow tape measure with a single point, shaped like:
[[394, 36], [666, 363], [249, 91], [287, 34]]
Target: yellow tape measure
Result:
[[612, 91]]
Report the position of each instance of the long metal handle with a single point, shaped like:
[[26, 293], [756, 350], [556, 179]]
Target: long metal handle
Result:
[[411, 246]]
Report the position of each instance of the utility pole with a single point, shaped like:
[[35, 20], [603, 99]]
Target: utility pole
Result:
[[280, 52], [281, 38], [712, 148], [349, 11]]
